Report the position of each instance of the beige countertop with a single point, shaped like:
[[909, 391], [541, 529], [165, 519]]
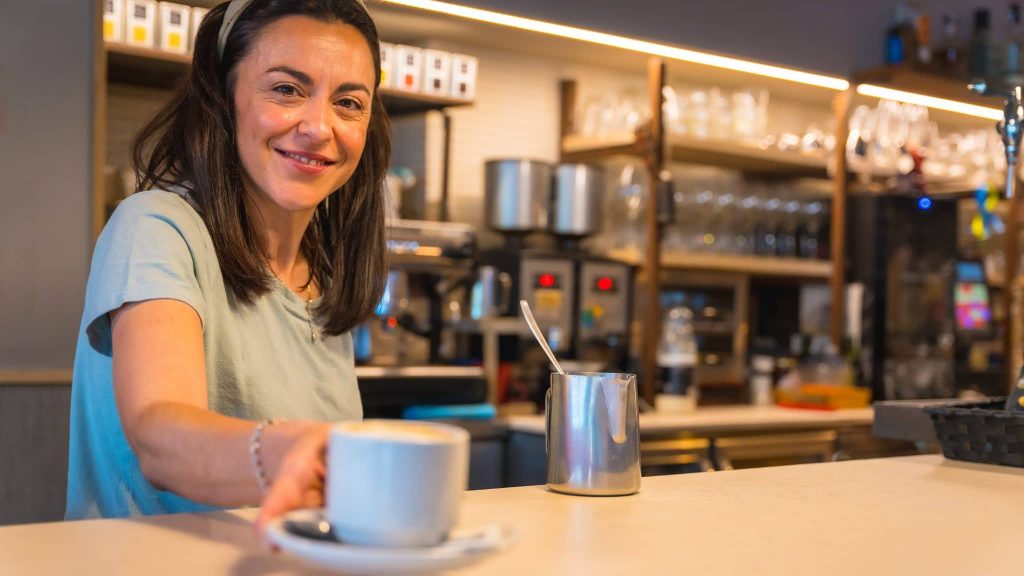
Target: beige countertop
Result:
[[912, 515], [728, 419]]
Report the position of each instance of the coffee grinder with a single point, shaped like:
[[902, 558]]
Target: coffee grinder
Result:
[[582, 303], [604, 288]]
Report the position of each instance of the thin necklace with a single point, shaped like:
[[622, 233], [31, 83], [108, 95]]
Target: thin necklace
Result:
[[313, 334]]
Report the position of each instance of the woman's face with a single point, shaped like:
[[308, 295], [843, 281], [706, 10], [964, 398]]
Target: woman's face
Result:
[[302, 109]]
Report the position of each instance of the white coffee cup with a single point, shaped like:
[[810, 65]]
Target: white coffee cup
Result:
[[395, 482]]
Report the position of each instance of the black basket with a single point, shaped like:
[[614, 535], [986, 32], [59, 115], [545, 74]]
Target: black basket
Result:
[[980, 432]]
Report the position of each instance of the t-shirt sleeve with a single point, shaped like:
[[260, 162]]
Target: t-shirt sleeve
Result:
[[144, 253]]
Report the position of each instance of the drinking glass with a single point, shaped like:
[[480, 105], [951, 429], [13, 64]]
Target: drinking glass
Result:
[[674, 109], [701, 238], [744, 116], [678, 234], [747, 205], [766, 243], [721, 114], [699, 114], [750, 115], [811, 226], [629, 199]]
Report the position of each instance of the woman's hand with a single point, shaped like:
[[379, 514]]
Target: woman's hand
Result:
[[299, 482]]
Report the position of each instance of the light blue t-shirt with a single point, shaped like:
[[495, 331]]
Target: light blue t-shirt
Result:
[[261, 361]]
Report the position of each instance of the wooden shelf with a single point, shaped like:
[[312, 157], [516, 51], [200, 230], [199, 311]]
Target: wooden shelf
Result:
[[145, 66], [877, 181], [739, 156], [753, 265], [159, 69], [32, 377], [400, 103], [714, 152], [928, 84], [911, 80]]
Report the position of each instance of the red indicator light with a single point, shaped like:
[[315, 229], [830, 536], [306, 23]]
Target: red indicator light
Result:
[[546, 280], [392, 322], [605, 284]]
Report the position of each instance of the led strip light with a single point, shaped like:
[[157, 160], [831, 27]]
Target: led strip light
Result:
[[686, 55], [653, 48], [930, 101]]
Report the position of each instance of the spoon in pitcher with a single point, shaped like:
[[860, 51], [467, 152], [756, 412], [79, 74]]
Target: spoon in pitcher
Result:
[[532, 322]]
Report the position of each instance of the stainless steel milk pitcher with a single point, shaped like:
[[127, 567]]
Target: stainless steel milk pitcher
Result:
[[593, 434]]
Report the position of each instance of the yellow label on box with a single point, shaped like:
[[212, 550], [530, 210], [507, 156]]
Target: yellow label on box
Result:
[[139, 33], [174, 40], [108, 30]]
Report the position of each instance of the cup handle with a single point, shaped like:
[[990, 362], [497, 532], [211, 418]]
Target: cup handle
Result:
[[547, 422], [506, 291]]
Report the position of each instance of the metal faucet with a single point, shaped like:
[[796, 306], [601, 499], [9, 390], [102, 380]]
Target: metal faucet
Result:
[[1009, 128], [1010, 131]]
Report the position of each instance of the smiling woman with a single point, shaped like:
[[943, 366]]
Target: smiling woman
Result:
[[302, 112], [214, 344]]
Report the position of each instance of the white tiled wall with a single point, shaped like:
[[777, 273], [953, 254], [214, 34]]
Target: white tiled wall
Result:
[[516, 115]]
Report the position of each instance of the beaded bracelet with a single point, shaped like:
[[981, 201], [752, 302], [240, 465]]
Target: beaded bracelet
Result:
[[256, 456]]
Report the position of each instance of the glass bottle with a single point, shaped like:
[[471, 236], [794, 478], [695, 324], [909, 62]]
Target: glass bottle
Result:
[[950, 53], [765, 243], [923, 29], [787, 237], [1010, 51], [677, 354], [825, 232], [980, 44], [901, 39], [896, 49], [810, 229]]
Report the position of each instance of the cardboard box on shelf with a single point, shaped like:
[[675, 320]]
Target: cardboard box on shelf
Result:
[[437, 72], [113, 20], [408, 68], [197, 18], [140, 23], [463, 76], [387, 65], [174, 27]]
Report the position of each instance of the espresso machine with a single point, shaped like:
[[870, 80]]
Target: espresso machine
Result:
[[424, 260], [404, 351], [582, 302]]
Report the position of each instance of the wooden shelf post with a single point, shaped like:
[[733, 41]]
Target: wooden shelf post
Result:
[[837, 281], [567, 120], [98, 150], [652, 265]]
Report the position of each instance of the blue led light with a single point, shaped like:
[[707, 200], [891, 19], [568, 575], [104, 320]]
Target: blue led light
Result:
[[924, 203]]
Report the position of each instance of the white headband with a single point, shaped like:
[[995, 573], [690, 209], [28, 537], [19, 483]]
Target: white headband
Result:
[[235, 9], [231, 15]]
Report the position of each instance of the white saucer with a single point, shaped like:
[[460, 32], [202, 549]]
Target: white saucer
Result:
[[463, 547]]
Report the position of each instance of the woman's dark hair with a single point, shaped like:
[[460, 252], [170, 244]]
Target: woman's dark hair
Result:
[[191, 143]]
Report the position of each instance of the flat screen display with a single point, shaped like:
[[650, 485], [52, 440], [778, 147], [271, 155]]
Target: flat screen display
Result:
[[973, 312], [970, 271]]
